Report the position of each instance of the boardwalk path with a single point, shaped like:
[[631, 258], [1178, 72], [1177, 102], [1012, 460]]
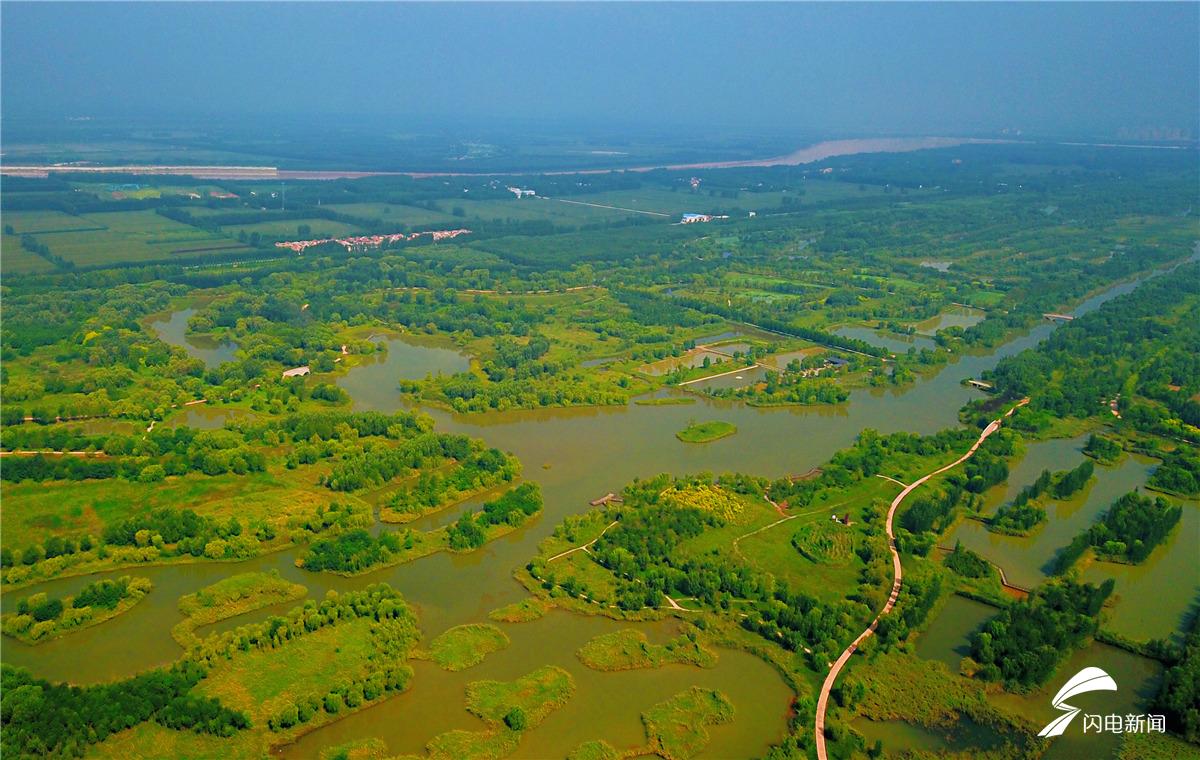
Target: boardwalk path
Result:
[[898, 571]]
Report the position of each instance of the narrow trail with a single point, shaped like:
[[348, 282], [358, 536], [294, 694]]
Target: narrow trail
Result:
[[582, 547], [711, 377], [897, 482], [898, 577], [601, 205]]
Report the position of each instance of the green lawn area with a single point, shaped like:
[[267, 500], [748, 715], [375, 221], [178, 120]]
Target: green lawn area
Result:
[[523, 611], [704, 432], [392, 212], [258, 681], [628, 649], [34, 222], [151, 741], [16, 260], [230, 597]]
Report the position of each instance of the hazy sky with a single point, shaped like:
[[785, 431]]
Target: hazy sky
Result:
[[1078, 67]]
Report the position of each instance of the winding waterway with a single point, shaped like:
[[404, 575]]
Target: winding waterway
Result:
[[576, 455]]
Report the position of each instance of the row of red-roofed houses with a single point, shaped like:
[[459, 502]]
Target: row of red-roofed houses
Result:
[[370, 241]]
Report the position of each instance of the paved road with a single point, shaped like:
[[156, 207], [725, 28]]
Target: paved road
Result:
[[898, 576]]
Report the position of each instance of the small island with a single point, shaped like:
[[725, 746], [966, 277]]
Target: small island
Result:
[[39, 617], [705, 432]]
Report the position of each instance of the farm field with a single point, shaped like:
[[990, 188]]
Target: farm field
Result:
[[289, 229], [16, 260], [124, 237], [410, 216], [35, 222]]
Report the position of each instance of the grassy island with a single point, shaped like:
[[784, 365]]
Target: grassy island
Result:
[[676, 727], [39, 618], [704, 432], [464, 646], [628, 649], [230, 597]]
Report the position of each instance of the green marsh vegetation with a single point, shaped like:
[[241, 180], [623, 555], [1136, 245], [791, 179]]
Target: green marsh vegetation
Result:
[[464, 646], [704, 432], [628, 649], [1025, 512], [230, 597], [524, 611], [40, 617], [677, 729], [1127, 531]]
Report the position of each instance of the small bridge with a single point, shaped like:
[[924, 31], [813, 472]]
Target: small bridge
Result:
[[980, 384], [1058, 317]]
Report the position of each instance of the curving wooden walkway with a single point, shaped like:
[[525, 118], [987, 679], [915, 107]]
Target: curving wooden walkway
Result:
[[897, 579]]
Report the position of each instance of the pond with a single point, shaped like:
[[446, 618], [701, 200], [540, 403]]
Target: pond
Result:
[[947, 637], [407, 357], [955, 316], [1152, 600], [1137, 678], [1026, 560], [894, 342], [173, 330], [899, 736]]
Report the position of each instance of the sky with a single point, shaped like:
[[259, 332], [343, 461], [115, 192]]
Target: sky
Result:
[[896, 68]]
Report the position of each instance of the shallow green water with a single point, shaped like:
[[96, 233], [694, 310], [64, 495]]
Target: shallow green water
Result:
[[436, 702], [173, 330], [947, 638], [955, 316], [1027, 560], [899, 736], [893, 342]]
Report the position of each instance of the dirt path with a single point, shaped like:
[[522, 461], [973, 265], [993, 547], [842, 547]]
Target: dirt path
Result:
[[614, 208], [898, 577], [583, 547], [30, 453]]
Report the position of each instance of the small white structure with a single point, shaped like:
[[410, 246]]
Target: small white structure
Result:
[[297, 372], [695, 218], [521, 192]]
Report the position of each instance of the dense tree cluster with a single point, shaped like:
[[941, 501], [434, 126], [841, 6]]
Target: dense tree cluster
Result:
[[43, 719], [1025, 642], [482, 468], [1179, 694], [354, 551], [1103, 449], [1022, 514], [1137, 341], [1133, 526], [967, 563], [511, 508], [1179, 472]]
